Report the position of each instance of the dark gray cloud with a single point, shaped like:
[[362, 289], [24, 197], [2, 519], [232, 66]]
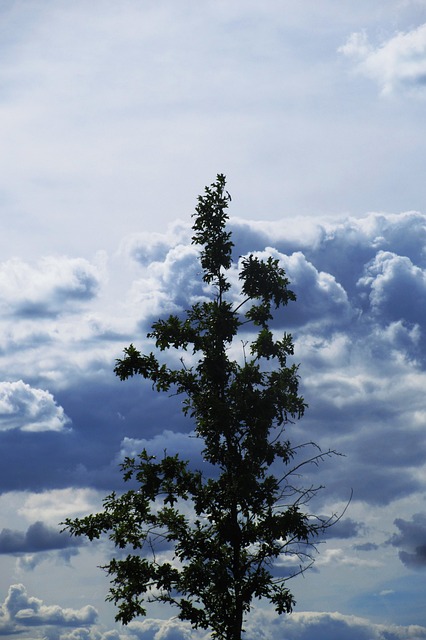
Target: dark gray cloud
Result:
[[38, 537], [366, 546], [343, 529], [411, 541]]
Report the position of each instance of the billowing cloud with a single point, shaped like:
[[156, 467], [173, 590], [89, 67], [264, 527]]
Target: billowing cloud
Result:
[[399, 62], [169, 285], [320, 296], [21, 611], [28, 409], [396, 288], [145, 248], [53, 286]]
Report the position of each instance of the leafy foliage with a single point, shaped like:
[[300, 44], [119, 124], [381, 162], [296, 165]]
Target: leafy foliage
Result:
[[207, 544]]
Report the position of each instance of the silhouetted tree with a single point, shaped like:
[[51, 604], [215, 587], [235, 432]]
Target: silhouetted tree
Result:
[[225, 527]]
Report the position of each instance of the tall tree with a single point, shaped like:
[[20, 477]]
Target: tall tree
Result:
[[225, 528]]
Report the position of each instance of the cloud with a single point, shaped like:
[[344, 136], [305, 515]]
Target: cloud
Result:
[[262, 625], [148, 247], [51, 287], [21, 611], [360, 337], [366, 546], [355, 340], [28, 409], [320, 296], [396, 288], [28, 562], [344, 528], [397, 63], [171, 442], [171, 284], [38, 537], [57, 504], [411, 541], [152, 629], [322, 626]]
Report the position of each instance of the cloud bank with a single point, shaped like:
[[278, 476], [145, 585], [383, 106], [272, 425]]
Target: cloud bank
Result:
[[297, 626], [359, 327]]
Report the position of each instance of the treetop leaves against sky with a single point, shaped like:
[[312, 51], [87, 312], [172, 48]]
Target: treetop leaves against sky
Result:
[[224, 528]]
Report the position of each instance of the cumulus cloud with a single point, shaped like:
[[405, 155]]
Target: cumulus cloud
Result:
[[21, 611], [169, 285], [396, 288], [397, 63], [28, 409], [148, 247], [411, 541], [320, 296], [52, 286]]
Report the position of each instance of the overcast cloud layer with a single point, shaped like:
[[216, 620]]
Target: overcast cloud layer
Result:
[[113, 117]]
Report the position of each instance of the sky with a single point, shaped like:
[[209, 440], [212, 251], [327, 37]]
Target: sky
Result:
[[114, 115]]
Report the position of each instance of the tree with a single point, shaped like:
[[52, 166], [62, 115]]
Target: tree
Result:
[[225, 528]]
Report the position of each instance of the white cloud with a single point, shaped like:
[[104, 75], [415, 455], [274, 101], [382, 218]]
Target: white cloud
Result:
[[171, 442], [28, 409], [147, 247], [57, 504], [54, 285], [20, 611], [397, 63], [169, 284], [340, 557], [397, 287]]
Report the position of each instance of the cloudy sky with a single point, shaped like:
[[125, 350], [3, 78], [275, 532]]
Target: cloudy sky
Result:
[[114, 115]]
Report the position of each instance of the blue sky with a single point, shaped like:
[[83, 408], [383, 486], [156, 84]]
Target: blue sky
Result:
[[113, 117]]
